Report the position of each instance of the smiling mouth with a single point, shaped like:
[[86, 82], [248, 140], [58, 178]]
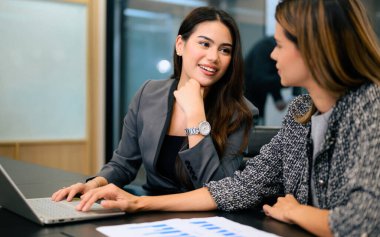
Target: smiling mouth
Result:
[[209, 69]]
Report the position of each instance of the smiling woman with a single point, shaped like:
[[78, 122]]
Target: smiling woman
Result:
[[145, 35], [189, 129]]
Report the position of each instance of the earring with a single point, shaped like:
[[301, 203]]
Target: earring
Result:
[[178, 53]]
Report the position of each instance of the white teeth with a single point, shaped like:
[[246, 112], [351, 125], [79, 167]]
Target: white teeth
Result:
[[209, 69]]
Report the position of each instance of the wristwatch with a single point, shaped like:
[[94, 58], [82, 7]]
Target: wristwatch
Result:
[[204, 128]]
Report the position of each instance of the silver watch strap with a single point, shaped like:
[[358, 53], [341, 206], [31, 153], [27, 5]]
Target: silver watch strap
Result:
[[191, 131]]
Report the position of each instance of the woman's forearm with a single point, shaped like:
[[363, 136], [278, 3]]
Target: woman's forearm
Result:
[[312, 219], [197, 200]]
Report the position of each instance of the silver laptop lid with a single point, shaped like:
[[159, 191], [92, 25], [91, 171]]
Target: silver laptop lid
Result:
[[12, 198]]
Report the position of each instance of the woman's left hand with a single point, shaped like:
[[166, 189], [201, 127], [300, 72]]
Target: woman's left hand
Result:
[[113, 196], [283, 208]]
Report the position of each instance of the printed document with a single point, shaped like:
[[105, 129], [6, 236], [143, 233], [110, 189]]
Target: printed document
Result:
[[210, 226]]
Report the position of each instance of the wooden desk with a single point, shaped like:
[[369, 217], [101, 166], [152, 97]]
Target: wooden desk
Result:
[[38, 181]]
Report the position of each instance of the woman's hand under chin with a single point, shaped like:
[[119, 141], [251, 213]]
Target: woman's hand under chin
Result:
[[190, 98]]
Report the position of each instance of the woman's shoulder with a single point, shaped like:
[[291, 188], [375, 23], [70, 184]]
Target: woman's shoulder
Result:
[[368, 93], [154, 90], [364, 99], [157, 88], [254, 110], [299, 105], [363, 103], [153, 85]]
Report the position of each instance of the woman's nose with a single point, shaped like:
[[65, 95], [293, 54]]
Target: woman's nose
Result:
[[212, 55], [273, 54]]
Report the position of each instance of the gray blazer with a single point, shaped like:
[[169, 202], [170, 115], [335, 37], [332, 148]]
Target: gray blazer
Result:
[[144, 129], [346, 170]]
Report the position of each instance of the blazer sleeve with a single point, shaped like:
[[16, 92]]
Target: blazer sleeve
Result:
[[126, 160], [202, 161], [260, 178], [263, 175]]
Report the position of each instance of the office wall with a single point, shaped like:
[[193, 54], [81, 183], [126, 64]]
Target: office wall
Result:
[[51, 82], [43, 70]]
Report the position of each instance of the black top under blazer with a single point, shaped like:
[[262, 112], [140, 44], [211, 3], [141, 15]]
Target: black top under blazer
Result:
[[144, 129]]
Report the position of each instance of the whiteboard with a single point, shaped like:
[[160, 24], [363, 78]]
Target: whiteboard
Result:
[[43, 64]]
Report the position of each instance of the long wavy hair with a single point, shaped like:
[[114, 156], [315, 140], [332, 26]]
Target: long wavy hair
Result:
[[336, 41], [225, 105]]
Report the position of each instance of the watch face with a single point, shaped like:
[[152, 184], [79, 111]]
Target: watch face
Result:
[[204, 128]]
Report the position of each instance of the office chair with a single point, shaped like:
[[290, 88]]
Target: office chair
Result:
[[260, 136]]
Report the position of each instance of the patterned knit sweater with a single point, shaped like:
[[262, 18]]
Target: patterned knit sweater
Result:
[[346, 170]]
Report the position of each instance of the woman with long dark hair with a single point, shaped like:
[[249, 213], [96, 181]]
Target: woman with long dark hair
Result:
[[189, 129]]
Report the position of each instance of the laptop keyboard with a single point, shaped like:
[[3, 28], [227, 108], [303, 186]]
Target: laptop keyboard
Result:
[[49, 209]]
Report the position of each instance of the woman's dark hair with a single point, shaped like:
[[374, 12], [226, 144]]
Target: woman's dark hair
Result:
[[225, 106]]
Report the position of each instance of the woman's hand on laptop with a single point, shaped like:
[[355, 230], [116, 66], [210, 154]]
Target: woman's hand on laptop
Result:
[[70, 192], [111, 196]]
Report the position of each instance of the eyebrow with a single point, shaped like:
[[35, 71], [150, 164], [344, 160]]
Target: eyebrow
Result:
[[212, 41]]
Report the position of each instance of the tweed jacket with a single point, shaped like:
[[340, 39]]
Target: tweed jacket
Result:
[[347, 169], [144, 130]]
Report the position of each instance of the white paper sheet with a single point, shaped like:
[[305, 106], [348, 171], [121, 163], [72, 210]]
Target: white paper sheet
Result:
[[210, 227]]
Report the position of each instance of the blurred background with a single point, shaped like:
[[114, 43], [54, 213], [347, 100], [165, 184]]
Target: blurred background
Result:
[[69, 68]]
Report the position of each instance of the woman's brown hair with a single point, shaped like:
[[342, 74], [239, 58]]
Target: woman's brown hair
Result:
[[336, 41]]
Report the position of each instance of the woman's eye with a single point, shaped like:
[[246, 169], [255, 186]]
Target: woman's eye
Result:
[[204, 44], [226, 50]]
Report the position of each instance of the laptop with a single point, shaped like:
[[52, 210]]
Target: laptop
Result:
[[44, 211]]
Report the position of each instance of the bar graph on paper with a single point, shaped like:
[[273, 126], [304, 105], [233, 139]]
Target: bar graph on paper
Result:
[[211, 226]]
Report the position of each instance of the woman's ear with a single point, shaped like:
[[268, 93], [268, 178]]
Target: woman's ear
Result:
[[179, 45]]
